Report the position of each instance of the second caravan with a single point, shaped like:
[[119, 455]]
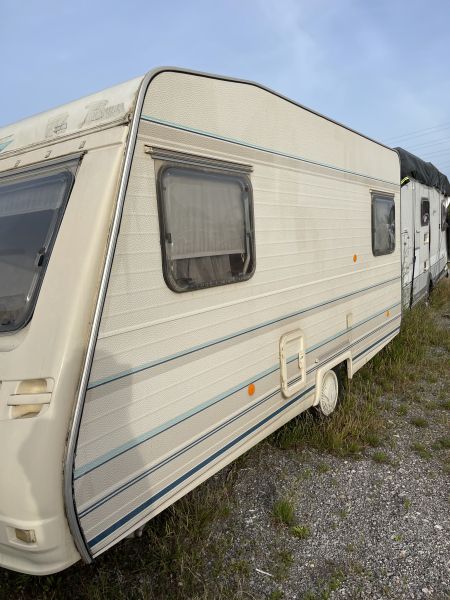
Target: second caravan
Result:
[[210, 251], [424, 196]]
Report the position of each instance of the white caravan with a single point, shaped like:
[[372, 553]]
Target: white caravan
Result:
[[424, 196], [184, 260]]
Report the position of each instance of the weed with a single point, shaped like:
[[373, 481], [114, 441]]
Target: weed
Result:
[[307, 474], [283, 561], [333, 583], [444, 442], [406, 503], [419, 422], [323, 468], [283, 511], [421, 450], [373, 440], [381, 457], [301, 531], [241, 567]]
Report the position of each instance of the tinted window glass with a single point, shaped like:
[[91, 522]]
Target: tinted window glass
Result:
[[207, 228], [383, 225], [31, 207]]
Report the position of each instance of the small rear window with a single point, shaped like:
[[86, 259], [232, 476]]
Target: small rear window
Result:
[[31, 208]]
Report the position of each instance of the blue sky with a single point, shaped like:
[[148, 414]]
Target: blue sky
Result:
[[381, 67]]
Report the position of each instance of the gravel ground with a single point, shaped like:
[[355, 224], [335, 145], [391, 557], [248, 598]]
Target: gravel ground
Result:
[[378, 524]]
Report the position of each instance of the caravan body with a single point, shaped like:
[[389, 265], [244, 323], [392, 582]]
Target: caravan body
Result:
[[424, 196], [209, 252]]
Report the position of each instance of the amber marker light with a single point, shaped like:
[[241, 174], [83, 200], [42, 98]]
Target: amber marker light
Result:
[[251, 389]]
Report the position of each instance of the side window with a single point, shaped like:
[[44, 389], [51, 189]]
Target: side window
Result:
[[383, 224], [425, 211], [443, 217], [206, 220]]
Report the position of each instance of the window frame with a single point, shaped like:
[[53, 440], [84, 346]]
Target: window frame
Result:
[[443, 216], [38, 170], [422, 202], [209, 168], [382, 196]]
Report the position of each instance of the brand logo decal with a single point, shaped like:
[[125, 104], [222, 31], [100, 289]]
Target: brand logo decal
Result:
[[56, 125], [98, 111]]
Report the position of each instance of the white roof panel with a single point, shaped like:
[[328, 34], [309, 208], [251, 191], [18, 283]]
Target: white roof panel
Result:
[[97, 110]]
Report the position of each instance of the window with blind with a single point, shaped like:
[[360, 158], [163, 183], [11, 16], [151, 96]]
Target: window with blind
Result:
[[207, 235], [383, 224]]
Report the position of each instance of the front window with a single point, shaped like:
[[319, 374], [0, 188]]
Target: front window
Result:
[[31, 208], [206, 227], [383, 224]]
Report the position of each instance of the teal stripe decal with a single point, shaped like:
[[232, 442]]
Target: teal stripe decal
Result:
[[176, 483], [160, 361], [88, 467], [221, 426], [125, 519], [168, 424], [256, 147]]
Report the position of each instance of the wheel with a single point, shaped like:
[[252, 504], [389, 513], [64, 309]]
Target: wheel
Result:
[[329, 393]]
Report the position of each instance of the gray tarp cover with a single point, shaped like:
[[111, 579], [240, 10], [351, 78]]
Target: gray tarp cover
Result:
[[424, 172]]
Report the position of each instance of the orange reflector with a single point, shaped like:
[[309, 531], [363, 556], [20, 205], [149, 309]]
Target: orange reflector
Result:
[[355, 258], [388, 313], [251, 389]]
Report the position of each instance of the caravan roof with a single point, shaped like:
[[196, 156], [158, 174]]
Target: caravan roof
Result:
[[102, 109], [424, 172], [96, 111]]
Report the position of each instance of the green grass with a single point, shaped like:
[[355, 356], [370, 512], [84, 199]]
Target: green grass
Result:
[[381, 457], [445, 404], [402, 410], [444, 442], [419, 422], [283, 511], [282, 562], [302, 532], [421, 450], [327, 586], [323, 468]]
